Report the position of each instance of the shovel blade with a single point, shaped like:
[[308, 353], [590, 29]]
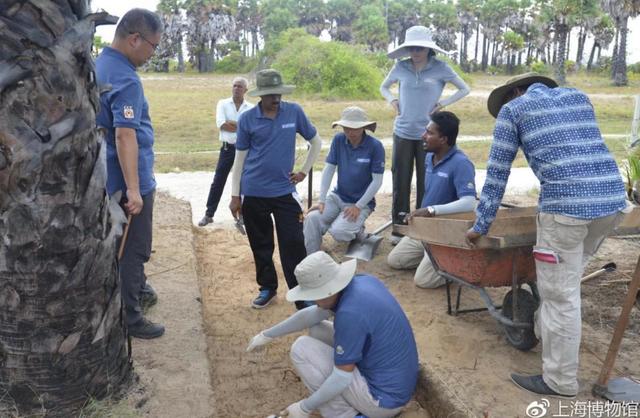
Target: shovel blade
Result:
[[364, 249], [620, 389]]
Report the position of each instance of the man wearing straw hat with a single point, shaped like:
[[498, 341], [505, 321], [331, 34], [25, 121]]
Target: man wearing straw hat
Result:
[[582, 198], [263, 173], [359, 159], [366, 361]]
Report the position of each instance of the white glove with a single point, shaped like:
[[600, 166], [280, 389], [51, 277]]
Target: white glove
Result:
[[295, 411], [258, 341]]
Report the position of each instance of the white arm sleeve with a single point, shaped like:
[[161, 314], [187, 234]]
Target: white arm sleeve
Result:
[[303, 319], [314, 151], [371, 191], [386, 84], [236, 173], [463, 90], [335, 384], [327, 175], [464, 204]]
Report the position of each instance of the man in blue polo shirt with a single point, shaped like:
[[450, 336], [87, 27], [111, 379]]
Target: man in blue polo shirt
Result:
[[124, 113], [449, 188], [359, 159], [366, 361], [263, 174]]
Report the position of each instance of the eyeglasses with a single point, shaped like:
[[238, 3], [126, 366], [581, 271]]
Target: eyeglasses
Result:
[[416, 48], [154, 46]]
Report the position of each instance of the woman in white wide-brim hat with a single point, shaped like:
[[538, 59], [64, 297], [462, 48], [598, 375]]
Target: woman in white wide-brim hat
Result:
[[421, 79]]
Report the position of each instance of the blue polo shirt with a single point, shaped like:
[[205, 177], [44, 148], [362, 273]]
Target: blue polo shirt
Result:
[[272, 148], [372, 331], [449, 180], [124, 106], [355, 166]]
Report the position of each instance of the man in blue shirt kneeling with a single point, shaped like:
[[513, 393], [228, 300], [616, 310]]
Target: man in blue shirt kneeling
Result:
[[449, 188], [359, 159], [366, 361]]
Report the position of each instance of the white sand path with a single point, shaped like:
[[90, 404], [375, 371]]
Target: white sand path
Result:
[[194, 188]]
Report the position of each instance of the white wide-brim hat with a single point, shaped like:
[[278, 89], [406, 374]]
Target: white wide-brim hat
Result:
[[415, 36], [355, 117], [319, 277]]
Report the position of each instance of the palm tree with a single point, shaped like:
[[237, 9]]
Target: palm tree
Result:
[[620, 11], [62, 336]]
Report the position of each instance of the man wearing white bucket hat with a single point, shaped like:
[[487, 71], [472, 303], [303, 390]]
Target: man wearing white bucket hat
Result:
[[359, 159], [366, 361], [421, 80]]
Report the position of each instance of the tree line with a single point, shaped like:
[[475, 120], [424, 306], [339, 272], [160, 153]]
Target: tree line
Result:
[[480, 34]]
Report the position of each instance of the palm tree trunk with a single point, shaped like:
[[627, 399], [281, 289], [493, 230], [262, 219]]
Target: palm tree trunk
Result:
[[620, 74], [62, 335], [475, 56], [561, 30], [591, 55]]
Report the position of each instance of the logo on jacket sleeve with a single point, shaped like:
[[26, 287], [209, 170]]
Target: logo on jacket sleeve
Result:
[[339, 350], [128, 112]]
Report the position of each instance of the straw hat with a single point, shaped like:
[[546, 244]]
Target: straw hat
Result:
[[320, 277], [415, 36], [270, 82], [499, 94], [355, 117]]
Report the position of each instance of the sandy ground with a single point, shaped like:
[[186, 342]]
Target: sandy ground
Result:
[[468, 353], [173, 370]]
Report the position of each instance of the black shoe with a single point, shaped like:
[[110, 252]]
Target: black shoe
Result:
[[206, 220], [302, 304], [537, 386], [264, 298], [148, 297], [146, 329]]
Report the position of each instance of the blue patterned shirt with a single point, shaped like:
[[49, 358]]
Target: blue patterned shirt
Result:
[[559, 136]]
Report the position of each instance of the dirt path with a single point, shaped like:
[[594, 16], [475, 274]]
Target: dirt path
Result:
[[467, 357]]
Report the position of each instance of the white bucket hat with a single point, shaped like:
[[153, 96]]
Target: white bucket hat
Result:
[[416, 36], [355, 117], [320, 277]]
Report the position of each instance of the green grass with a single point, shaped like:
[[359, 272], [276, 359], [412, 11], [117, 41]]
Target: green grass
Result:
[[183, 114]]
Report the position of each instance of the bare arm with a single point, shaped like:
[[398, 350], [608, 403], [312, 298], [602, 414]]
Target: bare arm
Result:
[[127, 149]]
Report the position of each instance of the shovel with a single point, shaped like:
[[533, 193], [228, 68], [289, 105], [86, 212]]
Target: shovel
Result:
[[366, 248], [619, 389]]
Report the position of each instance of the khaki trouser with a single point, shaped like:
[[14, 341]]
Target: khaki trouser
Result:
[[558, 319], [312, 357], [409, 254]]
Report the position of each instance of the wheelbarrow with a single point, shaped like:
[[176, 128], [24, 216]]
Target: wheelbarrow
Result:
[[502, 258]]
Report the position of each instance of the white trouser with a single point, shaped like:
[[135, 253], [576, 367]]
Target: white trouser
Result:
[[409, 254], [558, 319], [332, 219], [312, 357]]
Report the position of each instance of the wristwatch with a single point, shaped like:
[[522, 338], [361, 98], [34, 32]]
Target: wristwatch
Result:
[[431, 210]]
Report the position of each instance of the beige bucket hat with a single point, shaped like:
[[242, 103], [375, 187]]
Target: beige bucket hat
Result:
[[319, 277], [270, 82], [415, 36], [355, 117], [498, 96]]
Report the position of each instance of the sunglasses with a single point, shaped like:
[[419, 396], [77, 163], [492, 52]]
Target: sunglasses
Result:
[[416, 48]]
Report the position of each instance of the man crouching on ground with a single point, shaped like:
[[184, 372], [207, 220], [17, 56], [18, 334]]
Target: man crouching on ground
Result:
[[366, 361]]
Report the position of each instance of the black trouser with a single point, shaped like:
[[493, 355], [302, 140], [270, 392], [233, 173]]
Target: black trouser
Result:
[[287, 213], [225, 162], [137, 250], [405, 151]]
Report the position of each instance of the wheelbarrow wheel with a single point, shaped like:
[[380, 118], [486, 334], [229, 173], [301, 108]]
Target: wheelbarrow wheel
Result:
[[521, 338]]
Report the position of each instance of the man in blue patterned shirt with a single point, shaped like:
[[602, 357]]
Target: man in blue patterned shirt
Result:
[[582, 197]]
